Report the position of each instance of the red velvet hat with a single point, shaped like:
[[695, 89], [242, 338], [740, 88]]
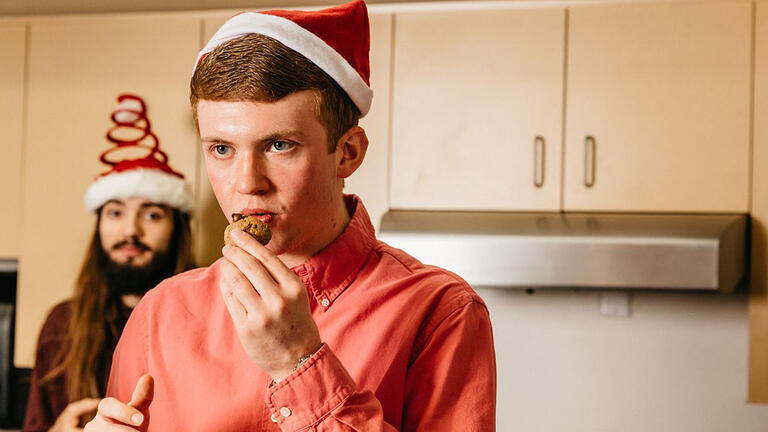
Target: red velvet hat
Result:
[[336, 39], [150, 176]]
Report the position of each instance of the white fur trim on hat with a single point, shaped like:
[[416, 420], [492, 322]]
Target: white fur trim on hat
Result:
[[155, 185], [302, 41]]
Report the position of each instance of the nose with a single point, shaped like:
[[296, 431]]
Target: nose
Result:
[[250, 176], [132, 226]]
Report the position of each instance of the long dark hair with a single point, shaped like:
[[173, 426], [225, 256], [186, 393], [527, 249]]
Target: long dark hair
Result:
[[96, 320]]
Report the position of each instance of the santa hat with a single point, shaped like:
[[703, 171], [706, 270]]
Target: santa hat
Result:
[[150, 176], [336, 39]]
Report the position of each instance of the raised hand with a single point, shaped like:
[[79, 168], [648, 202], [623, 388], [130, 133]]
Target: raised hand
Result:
[[114, 415], [69, 419], [269, 306]]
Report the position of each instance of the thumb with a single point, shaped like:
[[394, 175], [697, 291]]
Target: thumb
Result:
[[143, 393]]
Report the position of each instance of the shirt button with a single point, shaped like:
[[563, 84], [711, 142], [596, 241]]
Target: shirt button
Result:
[[325, 302], [285, 411], [273, 417]]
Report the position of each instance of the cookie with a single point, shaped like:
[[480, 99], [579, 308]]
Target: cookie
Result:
[[250, 224]]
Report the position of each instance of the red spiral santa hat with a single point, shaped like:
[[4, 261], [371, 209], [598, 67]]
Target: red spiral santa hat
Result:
[[150, 176], [336, 39]]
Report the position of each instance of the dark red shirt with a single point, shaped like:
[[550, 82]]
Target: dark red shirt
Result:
[[46, 402]]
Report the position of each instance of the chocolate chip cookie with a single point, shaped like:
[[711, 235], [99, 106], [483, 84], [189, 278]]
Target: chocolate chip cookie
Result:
[[250, 224]]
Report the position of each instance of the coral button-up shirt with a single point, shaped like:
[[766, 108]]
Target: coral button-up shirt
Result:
[[406, 347]]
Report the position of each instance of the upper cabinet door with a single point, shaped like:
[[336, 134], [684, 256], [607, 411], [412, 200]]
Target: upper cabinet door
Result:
[[77, 68], [477, 110], [12, 40], [658, 107]]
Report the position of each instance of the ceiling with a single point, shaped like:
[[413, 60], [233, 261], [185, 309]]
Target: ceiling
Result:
[[48, 7]]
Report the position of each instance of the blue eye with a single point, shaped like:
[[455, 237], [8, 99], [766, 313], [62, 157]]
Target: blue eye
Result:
[[221, 150], [281, 146]]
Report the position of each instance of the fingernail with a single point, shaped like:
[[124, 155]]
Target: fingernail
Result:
[[225, 248], [137, 419], [236, 233]]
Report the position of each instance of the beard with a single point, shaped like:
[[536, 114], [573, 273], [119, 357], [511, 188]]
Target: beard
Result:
[[126, 278]]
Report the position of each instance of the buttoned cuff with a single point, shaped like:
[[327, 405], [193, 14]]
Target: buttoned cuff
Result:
[[313, 391]]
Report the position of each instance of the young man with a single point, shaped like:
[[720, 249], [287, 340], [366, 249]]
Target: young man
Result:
[[325, 328], [141, 237]]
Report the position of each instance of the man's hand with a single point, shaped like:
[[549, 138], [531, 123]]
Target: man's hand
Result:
[[114, 416], [69, 419], [269, 306]]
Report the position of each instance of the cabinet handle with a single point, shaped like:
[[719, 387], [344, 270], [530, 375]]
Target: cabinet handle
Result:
[[590, 150], [539, 153]]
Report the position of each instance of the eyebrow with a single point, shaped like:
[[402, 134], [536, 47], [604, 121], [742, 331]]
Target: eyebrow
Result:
[[214, 140], [152, 204], [282, 134], [277, 135], [143, 205]]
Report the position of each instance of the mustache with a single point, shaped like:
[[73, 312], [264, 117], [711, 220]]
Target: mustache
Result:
[[135, 243]]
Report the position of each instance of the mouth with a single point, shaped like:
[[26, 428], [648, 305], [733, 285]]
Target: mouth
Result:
[[130, 250], [263, 215]]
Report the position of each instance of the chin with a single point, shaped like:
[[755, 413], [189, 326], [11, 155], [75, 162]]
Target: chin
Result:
[[277, 246], [141, 261], [119, 259]]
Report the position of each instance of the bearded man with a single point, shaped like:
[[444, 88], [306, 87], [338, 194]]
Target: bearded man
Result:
[[141, 236]]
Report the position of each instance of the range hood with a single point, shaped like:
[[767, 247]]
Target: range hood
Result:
[[576, 250]]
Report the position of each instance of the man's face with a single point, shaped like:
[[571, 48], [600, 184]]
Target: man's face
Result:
[[134, 230], [271, 160]]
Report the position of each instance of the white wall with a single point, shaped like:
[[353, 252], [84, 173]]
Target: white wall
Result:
[[678, 363]]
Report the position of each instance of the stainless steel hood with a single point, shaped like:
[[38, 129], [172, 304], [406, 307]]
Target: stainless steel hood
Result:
[[573, 250]]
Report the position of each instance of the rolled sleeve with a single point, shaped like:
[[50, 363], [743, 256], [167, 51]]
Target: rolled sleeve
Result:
[[311, 393]]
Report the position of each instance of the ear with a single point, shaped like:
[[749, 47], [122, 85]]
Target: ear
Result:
[[350, 151]]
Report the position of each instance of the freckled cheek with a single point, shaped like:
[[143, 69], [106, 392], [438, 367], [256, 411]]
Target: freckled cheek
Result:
[[303, 186], [223, 186]]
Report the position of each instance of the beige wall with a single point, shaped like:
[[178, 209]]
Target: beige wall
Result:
[[13, 46], [758, 305]]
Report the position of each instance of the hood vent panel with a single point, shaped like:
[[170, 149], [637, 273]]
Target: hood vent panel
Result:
[[575, 250]]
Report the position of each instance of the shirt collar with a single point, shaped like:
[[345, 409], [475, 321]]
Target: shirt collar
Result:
[[329, 272]]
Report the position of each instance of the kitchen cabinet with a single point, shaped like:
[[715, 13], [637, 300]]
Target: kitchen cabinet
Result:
[[12, 43], [77, 68], [369, 182], [477, 109], [657, 111], [658, 107]]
